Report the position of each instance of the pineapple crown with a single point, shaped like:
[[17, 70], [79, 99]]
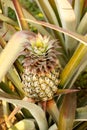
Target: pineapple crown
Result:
[[41, 54], [39, 44]]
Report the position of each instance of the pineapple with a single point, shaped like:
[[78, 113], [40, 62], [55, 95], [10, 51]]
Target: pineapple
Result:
[[41, 68]]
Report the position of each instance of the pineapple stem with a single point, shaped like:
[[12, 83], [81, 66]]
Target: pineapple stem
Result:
[[53, 110]]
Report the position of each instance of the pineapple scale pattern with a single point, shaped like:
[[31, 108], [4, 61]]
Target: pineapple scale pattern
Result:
[[40, 87]]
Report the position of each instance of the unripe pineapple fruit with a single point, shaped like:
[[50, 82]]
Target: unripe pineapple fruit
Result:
[[41, 68]]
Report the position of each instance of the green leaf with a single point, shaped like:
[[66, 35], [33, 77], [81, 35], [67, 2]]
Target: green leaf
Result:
[[23, 125], [72, 66], [50, 15], [67, 17], [41, 29], [82, 27], [8, 20], [5, 88], [53, 127], [35, 110], [8, 56], [78, 8], [14, 77], [6, 31], [74, 35], [81, 126], [81, 114], [67, 112], [66, 91], [45, 5], [6, 95]]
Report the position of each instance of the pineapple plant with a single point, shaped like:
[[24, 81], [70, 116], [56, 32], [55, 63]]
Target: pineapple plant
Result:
[[44, 62]]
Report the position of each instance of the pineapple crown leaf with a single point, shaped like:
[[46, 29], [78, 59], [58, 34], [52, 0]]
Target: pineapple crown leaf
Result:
[[39, 44], [41, 54]]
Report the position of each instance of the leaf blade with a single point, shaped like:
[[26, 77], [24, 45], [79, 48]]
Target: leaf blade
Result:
[[67, 112], [67, 17], [74, 35], [81, 114], [24, 124], [35, 110]]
